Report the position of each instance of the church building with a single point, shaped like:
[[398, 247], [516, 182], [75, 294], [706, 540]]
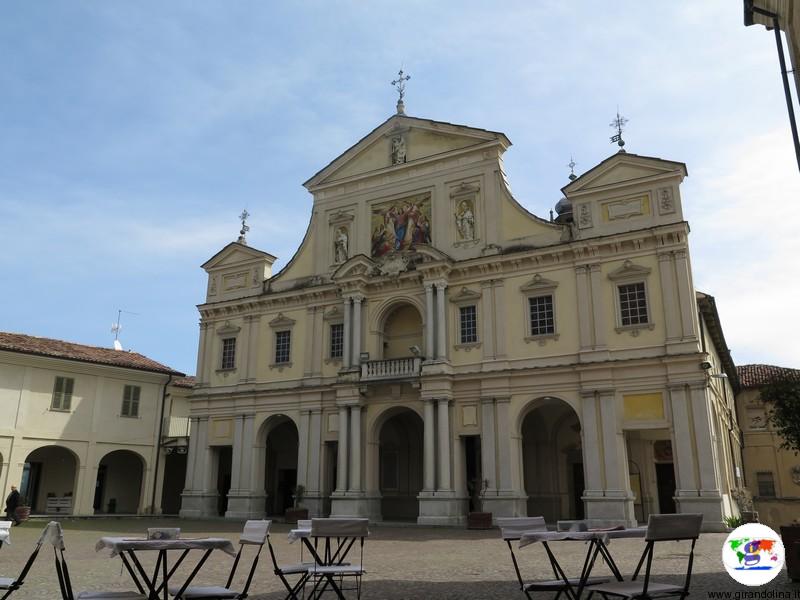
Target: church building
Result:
[[433, 348]]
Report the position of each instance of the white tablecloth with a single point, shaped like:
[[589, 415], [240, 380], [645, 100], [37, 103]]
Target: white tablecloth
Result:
[[120, 544], [298, 534], [5, 536], [532, 537]]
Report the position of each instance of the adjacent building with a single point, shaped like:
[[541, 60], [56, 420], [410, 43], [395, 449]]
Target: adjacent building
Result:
[[81, 426], [772, 473], [433, 348]]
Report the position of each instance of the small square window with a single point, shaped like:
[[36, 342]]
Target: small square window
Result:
[[468, 319], [130, 401], [337, 340], [62, 393], [633, 304], [542, 315], [283, 340], [766, 484], [228, 353]]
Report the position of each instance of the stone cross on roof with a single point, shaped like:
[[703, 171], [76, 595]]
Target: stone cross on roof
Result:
[[245, 228], [400, 84]]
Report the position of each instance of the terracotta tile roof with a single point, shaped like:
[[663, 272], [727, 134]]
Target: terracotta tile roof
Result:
[[28, 344], [757, 375], [185, 382]]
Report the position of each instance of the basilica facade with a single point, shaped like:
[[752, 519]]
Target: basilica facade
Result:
[[433, 348]]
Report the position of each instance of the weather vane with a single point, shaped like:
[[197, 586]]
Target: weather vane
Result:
[[571, 165], [245, 227], [618, 124], [400, 84]]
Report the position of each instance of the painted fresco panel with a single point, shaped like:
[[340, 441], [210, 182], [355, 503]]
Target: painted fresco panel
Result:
[[399, 224]]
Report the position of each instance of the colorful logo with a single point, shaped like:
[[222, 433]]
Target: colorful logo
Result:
[[753, 554]]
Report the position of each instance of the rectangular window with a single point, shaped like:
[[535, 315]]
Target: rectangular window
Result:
[[766, 484], [542, 318], [228, 353], [633, 304], [130, 401], [469, 324], [62, 393], [283, 340], [337, 340]]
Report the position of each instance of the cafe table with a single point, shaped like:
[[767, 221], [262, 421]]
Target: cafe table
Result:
[[153, 585]]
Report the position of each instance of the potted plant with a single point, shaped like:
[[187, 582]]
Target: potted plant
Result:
[[476, 518], [297, 511], [23, 510], [782, 397]]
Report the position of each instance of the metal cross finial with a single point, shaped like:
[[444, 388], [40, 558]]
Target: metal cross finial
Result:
[[618, 124], [571, 165], [400, 85], [245, 228]]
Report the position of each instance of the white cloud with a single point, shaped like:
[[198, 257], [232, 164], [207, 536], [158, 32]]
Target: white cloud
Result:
[[745, 245]]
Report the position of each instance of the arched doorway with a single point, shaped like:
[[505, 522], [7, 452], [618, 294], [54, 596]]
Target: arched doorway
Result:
[[280, 465], [49, 480], [400, 451], [552, 460], [118, 487], [402, 330]]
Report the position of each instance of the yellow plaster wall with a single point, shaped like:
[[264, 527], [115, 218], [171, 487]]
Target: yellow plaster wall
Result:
[[643, 407], [302, 263]]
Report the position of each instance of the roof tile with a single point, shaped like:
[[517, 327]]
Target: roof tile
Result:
[[752, 376]]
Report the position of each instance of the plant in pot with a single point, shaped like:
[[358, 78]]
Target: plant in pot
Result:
[[782, 397], [23, 510], [476, 518], [297, 511]]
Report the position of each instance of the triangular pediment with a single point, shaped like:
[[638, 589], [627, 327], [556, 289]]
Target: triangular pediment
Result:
[[419, 140], [236, 254], [629, 271], [358, 266], [624, 168]]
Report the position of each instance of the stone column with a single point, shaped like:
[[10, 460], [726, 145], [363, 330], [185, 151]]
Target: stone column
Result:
[[687, 301], [441, 323], [584, 308], [683, 444], [191, 456], [499, 306], [357, 300], [243, 501], [429, 451], [346, 335], [599, 311], [236, 454], [706, 455], [302, 448], [355, 449], [669, 295], [311, 342], [315, 437], [590, 440], [341, 469], [504, 445], [487, 322], [254, 322], [210, 361], [201, 352], [444, 444], [488, 460], [430, 322], [199, 500]]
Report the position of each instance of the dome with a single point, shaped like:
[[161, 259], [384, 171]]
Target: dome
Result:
[[563, 206]]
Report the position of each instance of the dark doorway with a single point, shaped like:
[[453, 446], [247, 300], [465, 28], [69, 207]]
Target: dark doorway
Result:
[[472, 463], [99, 487], [225, 457], [287, 480], [400, 466], [665, 480], [29, 486], [577, 489], [174, 480], [331, 460]]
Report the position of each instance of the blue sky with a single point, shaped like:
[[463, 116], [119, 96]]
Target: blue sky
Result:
[[134, 133]]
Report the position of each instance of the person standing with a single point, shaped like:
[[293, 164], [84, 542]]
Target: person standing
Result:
[[12, 501]]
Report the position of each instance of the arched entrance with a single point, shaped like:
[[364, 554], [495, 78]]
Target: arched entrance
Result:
[[402, 330], [280, 465], [49, 480], [118, 487], [400, 450], [552, 460]]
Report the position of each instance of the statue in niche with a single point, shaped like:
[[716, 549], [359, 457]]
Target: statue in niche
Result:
[[340, 245], [465, 221], [398, 150], [665, 199]]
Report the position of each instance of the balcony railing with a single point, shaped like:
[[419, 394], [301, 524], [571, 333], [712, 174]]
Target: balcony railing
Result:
[[175, 427], [394, 368]]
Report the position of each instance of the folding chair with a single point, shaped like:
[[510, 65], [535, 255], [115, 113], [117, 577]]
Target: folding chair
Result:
[[53, 534], [660, 528], [8, 585], [511, 529], [331, 565], [255, 533], [5, 531], [284, 571]]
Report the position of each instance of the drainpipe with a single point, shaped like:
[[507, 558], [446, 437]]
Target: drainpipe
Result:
[[784, 73], [158, 445]]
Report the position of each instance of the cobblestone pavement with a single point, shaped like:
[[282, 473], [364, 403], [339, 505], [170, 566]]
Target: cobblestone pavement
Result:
[[402, 562]]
